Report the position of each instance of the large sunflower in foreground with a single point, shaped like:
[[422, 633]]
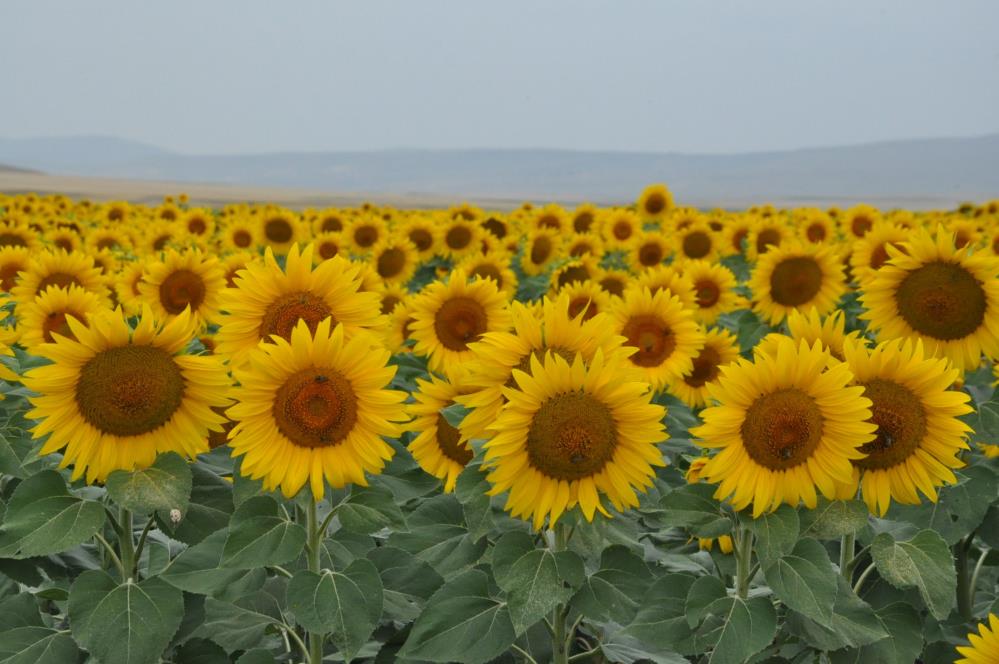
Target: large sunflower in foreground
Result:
[[663, 331], [448, 317], [947, 297], [315, 408], [115, 397], [184, 280], [270, 301], [498, 354], [919, 435], [438, 447], [796, 276], [984, 646], [570, 433], [784, 425]]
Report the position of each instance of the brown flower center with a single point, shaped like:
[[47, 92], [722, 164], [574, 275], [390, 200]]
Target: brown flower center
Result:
[[738, 237], [541, 250], [901, 422], [650, 254], [328, 249], [448, 440], [488, 271], [458, 237], [941, 300], [180, 289], [768, 237], [572, 436], [653, 338], [197, 226], [708, 293], [860, 225], [696, 244], [422, 238], [283, 314], [278, 230], [549, 221], [613, 285], [56, 322], [391, 262], [242, 238], [12, 240], [655, 203], [315, 408], [572, 274], [331, 225], [582, 304], [622, 230], [782, 429], [459, 322], [816, 232], [795, 281], [705, 368], [129, 390], [59, 280], [8, 275], [388, 303], [365, 235], [495, 227], [582, 222]]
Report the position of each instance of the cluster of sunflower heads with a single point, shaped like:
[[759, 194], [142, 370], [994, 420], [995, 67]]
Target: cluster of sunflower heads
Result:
[[676, 369]]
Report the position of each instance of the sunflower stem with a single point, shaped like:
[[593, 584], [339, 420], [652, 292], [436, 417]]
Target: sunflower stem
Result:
[[315, 539], [744, 563], [965, 591], [846, 552], [126, 544], [560, 636]]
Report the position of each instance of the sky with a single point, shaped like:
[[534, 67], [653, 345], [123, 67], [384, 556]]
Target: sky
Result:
[[244, 76]]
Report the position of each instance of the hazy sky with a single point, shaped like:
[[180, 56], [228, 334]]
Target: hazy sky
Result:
[[226, 76]]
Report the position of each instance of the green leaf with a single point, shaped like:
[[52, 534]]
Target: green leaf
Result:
[[346, 605], [776, 532], [747, 627], [461, 623], [259, 535], [408, 582], [621, 648], [924, 562], [164, 486], [241, 625], [613, 592], [960, 508], [207, 512], [693, 506], [43, 518], [369, 510], [509, 548], [20, 610], [256, 656], [661, 621], [455, 414], [904, 645], [201, 651], [804, 580], [37, 645], [538, 582], [854, 623], [129, 623], [702, 594], [831, 519], [198, 568]]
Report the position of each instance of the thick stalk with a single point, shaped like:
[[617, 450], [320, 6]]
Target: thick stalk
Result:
[[560, 639], [126, 544], [744, 563], [315, 540], [965, 592], [846, 547]]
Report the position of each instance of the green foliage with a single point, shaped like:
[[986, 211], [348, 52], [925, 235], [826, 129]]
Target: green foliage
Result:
[[923, 562], [43, 517], [164, 486]]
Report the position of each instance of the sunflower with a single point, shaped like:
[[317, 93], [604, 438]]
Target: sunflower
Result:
[[655, 202], [667, 278], [714, 288], [235, 263], [48, 314], [584, 219], [551, 216], [858, 220], [422, 231], [811, 327], [438, 447], [735, 236], [815, 226], [766, 233], [649, 250], [919, 435], [543, 247], [720, 348], [394, 259], [199, 223], [180, 281], [947, 297], [697, 241], [328, 244], [396, 334], [313, 408], [115, 397], [984, 646], [613, 282], [586, 298], [58, 269], [13, 260], [663, 331], [269, 301], [574, 271], [796, 276], [330, 220], [447, 317], [494, 266], [112, 239], [280, 230], [584, 244], [784, 425], [966, 232], [391, 296], [8, 337], [239, 235], [620, 228], [555, 328], [365, 232], [156, 237], [570, 432], [65, 239], [869, 253], [16, 235]]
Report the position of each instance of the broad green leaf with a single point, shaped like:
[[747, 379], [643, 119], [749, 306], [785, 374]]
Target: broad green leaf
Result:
[[370, 510], [37, 645], [129, 623], [201, 651], [454, 414], [924, 562], [509, 548], [804, 580], [661, 621], [446, 548], [19, 610], [747, 627], [904, 645], [612, 593], [701, 595], [198, 568], [257, 656], [775, 532], [408, 582], [538, 582], [207, 512], [260, 535], [43, 518], [960, 508], [854, 623], [164, 486], [621, 648], [242, 624], [461, 623], [831, 519], [346, 605], [693, 506]]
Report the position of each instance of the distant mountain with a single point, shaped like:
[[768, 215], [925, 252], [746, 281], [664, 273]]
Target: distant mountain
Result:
[[950, 169]]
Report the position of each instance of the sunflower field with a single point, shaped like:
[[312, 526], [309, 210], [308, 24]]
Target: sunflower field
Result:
[[644, 433]]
